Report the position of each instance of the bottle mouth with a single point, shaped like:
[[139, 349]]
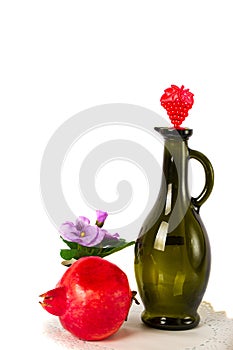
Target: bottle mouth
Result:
[[173, 133]]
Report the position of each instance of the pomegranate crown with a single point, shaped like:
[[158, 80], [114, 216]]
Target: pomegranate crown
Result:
[[177, 102]]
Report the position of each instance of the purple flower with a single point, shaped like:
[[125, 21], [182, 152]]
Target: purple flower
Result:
[[110, 238], [82, 233], [101, 217], [86, 235]]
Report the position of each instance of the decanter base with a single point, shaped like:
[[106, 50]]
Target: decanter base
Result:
[[171, 323]]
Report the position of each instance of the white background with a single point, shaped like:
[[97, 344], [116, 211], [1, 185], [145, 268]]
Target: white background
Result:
[[61, 57]]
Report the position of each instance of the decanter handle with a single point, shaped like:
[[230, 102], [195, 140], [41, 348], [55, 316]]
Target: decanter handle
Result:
[[209, 178]]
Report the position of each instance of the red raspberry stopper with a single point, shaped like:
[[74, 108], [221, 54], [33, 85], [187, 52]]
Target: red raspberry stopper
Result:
[[177, 102]]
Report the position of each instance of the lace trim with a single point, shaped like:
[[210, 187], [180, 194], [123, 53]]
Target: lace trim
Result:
[[215, 332]]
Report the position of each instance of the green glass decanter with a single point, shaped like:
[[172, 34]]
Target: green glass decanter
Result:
[[172, 252]]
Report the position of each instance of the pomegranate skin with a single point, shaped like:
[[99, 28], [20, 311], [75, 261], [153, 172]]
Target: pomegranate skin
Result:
[[97, 298]]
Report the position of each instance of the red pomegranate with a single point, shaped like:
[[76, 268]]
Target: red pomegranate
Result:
[[92, 299]]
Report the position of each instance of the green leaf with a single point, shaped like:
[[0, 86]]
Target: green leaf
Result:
[[111, 250], [71, 245], [68, 254]]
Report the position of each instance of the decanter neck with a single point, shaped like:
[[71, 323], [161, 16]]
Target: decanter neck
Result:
[[175, 169]]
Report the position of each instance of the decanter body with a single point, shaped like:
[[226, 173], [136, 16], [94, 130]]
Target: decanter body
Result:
[[172, 252]]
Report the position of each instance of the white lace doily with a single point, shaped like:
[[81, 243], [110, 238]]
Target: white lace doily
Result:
[[215, 332]]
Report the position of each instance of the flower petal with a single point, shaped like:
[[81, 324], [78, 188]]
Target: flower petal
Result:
[[115, 235], [110, 239], [109, 235], [92, 236], [69, 232], [83, 219]]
